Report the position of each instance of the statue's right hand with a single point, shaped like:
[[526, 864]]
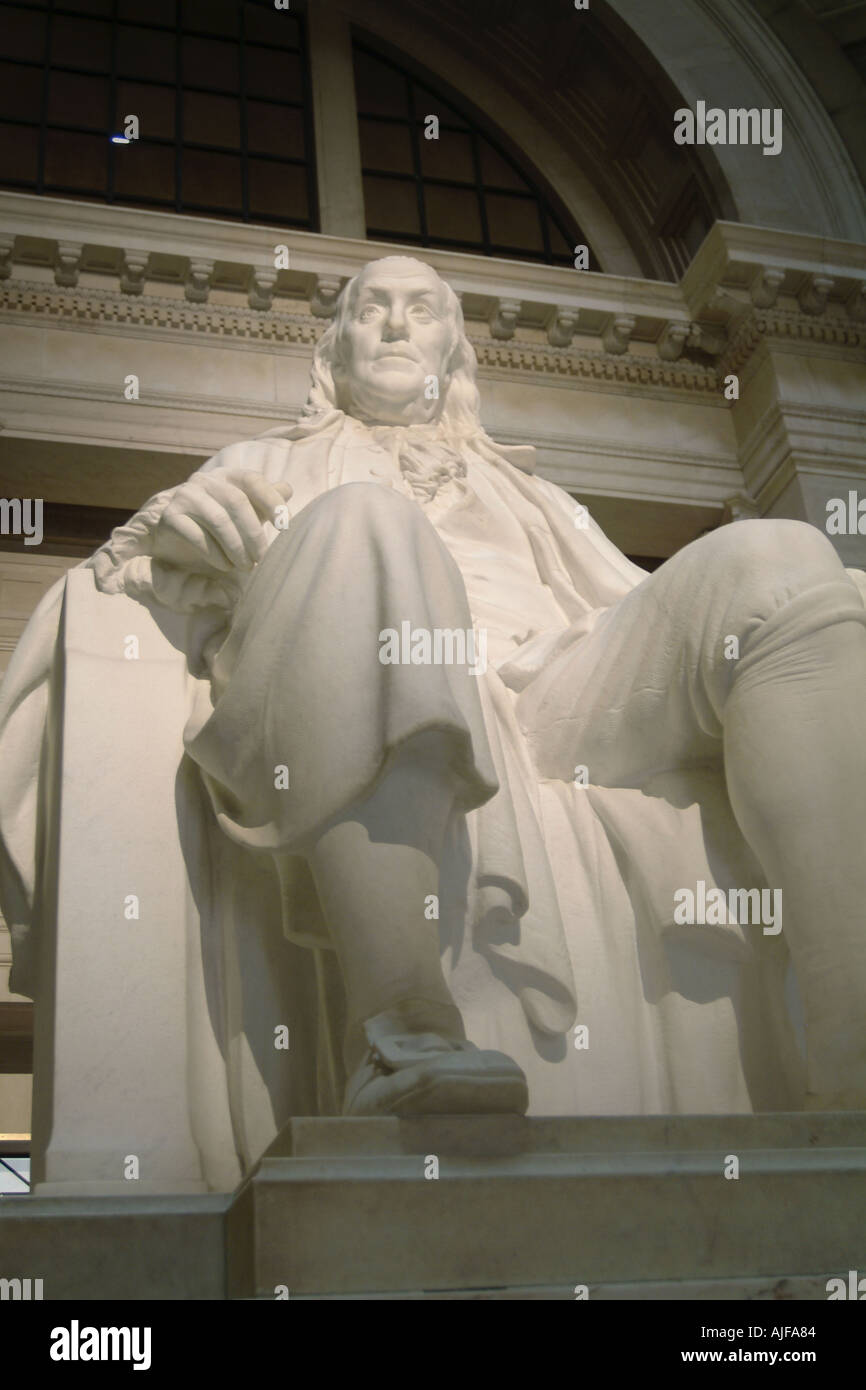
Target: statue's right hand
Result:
[[214, 521]]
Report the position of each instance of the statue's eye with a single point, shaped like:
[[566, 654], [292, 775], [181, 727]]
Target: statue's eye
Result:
[[420, 311], [368, 313]]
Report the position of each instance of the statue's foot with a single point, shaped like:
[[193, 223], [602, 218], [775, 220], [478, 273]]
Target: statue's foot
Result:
[[424, 1074]]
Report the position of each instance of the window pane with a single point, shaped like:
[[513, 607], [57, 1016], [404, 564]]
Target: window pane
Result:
[[211, 16], [380, 90], [275, 129], [449, 157], [147, 11], [471, 186], [496, 171], [273, 74], [144, 171], [95, 7], [211, 120], [210, 63], [154, 107], [20, 92], [145, 53], [74, 100], [214, 179], [76, 161], [386, 146], [426, 103], [88, 65], [453, 213], [278, 190], [80, 43], [276, 28], [23, 33], [19, 153], [391, 206], [514, 222]]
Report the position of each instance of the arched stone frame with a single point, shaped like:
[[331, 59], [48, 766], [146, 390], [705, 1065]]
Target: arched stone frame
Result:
[[821, 41], [813, 186]]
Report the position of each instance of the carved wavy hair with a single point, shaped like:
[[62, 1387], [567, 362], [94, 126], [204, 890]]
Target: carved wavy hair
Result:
[[461, 409]]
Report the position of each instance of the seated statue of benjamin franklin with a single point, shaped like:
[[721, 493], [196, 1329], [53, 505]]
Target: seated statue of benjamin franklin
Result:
[[546, 810]]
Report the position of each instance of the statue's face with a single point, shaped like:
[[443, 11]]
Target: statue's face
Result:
[[398, 333]]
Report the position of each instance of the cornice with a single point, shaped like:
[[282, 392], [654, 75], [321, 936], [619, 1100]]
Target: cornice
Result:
[[108, 310], [177, 317], [103, 232], [597, 368], [174, 277], [780, 326]]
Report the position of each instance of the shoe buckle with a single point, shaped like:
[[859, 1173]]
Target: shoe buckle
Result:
[[377, 1060]]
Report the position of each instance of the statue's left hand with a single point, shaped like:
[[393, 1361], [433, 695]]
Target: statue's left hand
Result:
[[213, 522]]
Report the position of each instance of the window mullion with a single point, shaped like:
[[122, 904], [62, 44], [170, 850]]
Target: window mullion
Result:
[[335, 117]]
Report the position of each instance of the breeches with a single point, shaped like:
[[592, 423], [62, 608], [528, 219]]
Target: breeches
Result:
[[646, 690]]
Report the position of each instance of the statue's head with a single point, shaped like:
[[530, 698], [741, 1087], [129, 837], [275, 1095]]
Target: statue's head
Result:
[[397, 352]]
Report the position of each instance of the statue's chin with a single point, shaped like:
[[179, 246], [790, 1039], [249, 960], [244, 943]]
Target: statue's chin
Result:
[[409, 418], [411, 411]]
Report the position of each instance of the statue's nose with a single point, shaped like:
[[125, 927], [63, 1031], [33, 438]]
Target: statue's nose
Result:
[[396, 325]]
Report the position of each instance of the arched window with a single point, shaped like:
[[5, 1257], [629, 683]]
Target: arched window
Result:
[[462, 191], [220, 90]]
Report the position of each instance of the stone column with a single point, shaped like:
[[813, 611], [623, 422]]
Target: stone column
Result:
[[801, 424], [338, 151], [788, 312]]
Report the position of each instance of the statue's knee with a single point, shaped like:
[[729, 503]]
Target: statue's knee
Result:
[[756, 554], [359, 509], [359, 501]]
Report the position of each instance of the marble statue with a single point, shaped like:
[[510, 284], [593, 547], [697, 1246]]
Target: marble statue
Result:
[[559, 834]]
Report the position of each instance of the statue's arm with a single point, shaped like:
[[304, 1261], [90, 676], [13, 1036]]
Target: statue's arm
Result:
[[126, 564], [133, 540], [189, 546]]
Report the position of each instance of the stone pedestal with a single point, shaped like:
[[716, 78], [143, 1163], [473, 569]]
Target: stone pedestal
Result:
[[628, 1209], [125, 1247], [112, 1104], [534, 1208]]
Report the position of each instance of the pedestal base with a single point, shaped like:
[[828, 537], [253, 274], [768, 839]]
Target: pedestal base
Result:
[[526, 1208], [521, 1209], [127, 1247]]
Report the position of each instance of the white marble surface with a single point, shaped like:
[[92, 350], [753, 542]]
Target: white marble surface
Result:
[[195, 989]]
